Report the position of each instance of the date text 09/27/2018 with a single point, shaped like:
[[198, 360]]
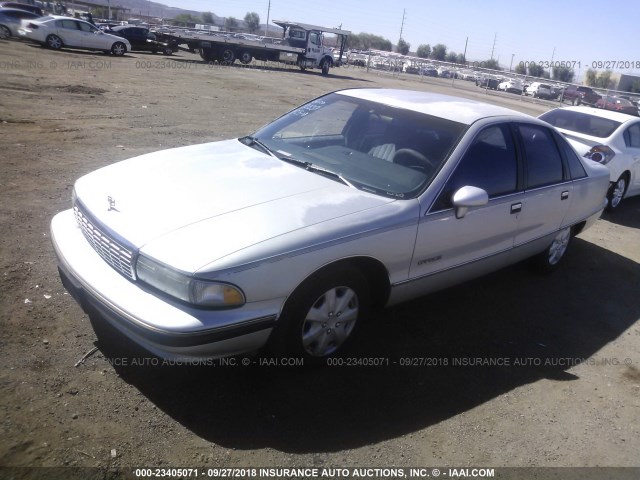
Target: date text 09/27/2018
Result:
[[596, 64]]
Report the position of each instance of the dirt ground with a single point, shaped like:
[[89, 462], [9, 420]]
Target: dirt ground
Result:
[[573, 399]]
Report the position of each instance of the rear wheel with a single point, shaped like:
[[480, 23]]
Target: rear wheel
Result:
[[119, 49], [228, 56], [321, 316], [5, 32], [207, 55], [167, 51], [54, 42], [616, 193], [550, 259], [245, 57]]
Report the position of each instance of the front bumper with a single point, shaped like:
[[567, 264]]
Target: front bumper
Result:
[[168, 330]]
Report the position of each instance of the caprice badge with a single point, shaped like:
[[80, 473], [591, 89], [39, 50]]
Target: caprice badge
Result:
[[112, 204]]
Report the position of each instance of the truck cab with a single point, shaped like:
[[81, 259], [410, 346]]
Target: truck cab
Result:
[[311, 39]]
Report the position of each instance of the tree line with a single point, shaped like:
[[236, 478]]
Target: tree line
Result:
[[251, 21]]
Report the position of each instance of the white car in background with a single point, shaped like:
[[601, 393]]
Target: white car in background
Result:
[[609, 138], [511, 86], [58, 32]]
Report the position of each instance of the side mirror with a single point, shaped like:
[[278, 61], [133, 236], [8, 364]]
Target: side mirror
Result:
[[467, 197]]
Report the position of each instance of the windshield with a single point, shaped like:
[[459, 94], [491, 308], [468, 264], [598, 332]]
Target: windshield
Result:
[[389, 151], [581, 122]]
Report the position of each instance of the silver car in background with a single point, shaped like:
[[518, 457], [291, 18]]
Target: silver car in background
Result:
[[11, 19], [58, 32], [287, 238]]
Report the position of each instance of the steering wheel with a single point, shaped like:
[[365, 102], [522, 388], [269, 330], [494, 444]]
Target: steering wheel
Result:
[[413, 159]]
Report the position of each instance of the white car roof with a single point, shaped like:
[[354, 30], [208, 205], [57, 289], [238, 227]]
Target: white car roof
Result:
[[456, 109], [599, 112]]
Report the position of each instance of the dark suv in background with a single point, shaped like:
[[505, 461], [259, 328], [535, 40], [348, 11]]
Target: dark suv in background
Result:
[[578, 95], [141, 39]]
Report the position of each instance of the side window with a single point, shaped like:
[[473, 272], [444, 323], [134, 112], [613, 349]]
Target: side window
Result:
[[490, 163], [632, 136], [544, 164], [314, 37], [69, 24], [85, 27]]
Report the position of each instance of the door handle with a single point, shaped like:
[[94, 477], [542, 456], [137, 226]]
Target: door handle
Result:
[[564, 195], [516, 208]]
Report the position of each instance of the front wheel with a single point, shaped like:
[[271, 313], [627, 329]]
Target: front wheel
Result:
[[616, 193], [167, 51], [119, 49], [321, 316], [325, 66]]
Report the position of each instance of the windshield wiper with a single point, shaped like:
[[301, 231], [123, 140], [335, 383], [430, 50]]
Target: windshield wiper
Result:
[[310, 167], [254, 142], [327, 173], [285, 156]]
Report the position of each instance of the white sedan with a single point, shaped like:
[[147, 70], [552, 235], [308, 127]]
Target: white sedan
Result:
[[609, 138], [58, 32], [288, 237]]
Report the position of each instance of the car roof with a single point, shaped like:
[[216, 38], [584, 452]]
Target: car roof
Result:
[[599, 112], [452, 108], [14, 9]]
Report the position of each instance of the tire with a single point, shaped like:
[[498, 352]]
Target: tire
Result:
[[245, 57], [207, 55], [228, 56], [54, 42], [550, 259], [310, 327], [118, 49], [4, 32], [578, 101], [325, 66], [167, 51], [616, 192]]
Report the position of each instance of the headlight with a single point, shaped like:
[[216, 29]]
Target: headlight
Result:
[[202, 293]]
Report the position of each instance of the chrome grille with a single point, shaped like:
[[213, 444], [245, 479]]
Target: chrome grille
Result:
[[114, 253]]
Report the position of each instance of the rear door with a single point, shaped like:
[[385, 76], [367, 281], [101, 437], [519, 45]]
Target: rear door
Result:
[[548, 185], [69, 31]]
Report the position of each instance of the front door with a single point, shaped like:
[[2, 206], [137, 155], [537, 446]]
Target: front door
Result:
[[445, 242]]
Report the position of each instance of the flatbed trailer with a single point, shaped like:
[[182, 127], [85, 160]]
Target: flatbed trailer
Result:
[[301, 44]]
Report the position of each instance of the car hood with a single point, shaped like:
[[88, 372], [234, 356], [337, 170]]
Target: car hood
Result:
[[189, 206]]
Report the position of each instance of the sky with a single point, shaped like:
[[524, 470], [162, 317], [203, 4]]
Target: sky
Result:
[[578, 31]]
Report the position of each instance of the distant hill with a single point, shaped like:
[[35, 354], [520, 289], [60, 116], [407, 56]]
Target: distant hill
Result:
[[144, 8]]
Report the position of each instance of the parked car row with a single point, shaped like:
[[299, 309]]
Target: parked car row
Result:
[[57, 32]]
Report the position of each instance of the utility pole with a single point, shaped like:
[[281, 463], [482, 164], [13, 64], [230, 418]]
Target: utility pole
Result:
[[266, 27], [464, 55], [404, 11], [511, 64], [494, 44]]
